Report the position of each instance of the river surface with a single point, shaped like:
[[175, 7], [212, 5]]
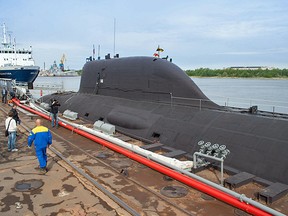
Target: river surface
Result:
[[268, 94]]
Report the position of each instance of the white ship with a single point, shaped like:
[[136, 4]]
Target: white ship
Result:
[[17, 64]]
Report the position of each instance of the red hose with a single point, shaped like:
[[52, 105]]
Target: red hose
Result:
[[218, 194]]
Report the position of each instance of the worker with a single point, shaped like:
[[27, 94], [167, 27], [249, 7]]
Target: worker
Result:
[[15, 114], [11, 127], [13, 93], [54, 112], [42, 138], [4, 95]]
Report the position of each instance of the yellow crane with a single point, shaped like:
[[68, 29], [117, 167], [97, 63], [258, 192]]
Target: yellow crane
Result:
[[62, 61]]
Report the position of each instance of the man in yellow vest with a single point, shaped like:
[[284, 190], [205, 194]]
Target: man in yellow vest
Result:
[[42, 138]]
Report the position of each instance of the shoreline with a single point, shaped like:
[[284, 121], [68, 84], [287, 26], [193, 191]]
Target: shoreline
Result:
[[217, 77]]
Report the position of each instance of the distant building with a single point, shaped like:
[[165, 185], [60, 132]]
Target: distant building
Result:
[[251, 68]]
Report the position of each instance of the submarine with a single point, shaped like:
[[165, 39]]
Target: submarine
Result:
[[153, 100]]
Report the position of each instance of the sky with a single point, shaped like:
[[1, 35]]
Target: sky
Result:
[[207, 33]]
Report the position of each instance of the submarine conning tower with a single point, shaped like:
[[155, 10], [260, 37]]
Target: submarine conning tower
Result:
[[143, 79]]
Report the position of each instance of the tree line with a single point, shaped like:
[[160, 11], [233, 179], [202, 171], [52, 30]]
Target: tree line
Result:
[[243, 73]]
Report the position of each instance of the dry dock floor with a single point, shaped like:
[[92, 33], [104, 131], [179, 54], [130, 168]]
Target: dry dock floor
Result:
[[65, 192], [62, 192]]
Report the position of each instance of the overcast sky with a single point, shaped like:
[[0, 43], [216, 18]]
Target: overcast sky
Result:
[[195, 33]]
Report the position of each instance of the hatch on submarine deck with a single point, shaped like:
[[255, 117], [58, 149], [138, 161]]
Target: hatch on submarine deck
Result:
[[144, 96]]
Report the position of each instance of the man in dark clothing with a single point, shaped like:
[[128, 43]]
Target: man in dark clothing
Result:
[[54, 112], [4, 95], [13, 93], [15, 114]]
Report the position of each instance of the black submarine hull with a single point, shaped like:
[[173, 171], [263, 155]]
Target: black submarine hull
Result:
[[154, 100]]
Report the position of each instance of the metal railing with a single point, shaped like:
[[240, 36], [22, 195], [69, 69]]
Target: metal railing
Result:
[[244, 103], [273, 106], [188, 101], [55, 86]]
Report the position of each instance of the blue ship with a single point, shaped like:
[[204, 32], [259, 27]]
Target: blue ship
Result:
[[17, 64]]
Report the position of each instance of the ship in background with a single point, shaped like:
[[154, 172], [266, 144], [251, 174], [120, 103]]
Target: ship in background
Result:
[[58, 71], [17, 64]]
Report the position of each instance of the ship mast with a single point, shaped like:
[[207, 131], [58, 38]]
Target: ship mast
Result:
[[15, 52], [114, 45], [4, 41]]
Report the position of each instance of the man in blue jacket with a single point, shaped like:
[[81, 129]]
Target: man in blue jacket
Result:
[[42, 138]]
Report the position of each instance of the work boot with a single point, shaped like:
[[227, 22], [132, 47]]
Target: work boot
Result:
[[43, 171]]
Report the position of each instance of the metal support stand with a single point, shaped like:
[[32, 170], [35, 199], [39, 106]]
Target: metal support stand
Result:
[[210, 157]]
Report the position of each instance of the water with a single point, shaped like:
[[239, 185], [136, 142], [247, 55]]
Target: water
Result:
[[49, 85], [268, 94]]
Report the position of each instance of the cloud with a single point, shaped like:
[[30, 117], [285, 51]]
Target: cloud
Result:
[[191, 32], [235, 30], [262, 52], [50, 45], [246, 29]]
